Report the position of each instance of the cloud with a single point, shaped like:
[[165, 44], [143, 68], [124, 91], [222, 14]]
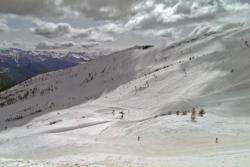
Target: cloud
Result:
[[164, 11], [16, 43], [67, 44], [164, 33], [159, 17], [92, 35], [55, 46], [56, 30], [177, 13], [51, 30], [88, 45], [112, 28], [203, 29], [45, 45], [113, 19], [95, 9], [208, 28], [3, 26], [102, 9], [31, 7]]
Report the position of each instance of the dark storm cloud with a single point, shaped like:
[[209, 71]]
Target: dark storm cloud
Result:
[[30, 7]]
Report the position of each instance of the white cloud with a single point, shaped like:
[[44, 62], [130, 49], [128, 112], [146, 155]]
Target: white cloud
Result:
[[181, 12], [88, 45], [56, 30], [3, 25], [207, 28], [165, 33], [203, 29], [159, 16], [55, 46], [102, 9], [16, 43], [51, 30], [112, 28], [92, 35], [45, 45]]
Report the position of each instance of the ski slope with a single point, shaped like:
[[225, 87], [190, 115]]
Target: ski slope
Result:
[[72, 117]]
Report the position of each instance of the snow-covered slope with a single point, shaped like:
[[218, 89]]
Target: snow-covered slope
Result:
[[73, 117]]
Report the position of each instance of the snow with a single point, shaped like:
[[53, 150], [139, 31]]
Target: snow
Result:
[[80, 119]]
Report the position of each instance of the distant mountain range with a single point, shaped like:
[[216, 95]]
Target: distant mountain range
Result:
[[17, 65]]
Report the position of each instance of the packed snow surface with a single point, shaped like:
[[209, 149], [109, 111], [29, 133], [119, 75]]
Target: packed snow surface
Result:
[[122, 109]]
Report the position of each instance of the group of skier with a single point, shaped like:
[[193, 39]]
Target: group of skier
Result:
[[121, 117], [121, 114], [139, 137]]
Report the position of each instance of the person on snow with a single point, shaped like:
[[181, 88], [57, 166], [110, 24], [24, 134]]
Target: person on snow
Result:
[[135, 90], [246, 43], [122, 114]]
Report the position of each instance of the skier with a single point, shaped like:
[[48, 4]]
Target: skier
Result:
[[246, 43], [122, 115], [216, 140], [138, 138], [135, 90]]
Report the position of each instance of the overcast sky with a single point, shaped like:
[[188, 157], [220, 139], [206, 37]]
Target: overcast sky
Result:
[[67, 24]]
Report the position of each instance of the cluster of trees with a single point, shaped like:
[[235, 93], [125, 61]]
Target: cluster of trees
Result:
[[35, 111], [201, 113], [5, 82], [47, 90], [17, 96], [17, 117], [14, 97], [89, 78], [194, 113]]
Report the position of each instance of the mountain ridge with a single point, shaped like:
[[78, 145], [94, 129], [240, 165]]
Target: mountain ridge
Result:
[[19, 65]]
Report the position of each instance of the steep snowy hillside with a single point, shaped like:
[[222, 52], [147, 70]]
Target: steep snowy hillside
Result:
[[133, 108], [19, 65]]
